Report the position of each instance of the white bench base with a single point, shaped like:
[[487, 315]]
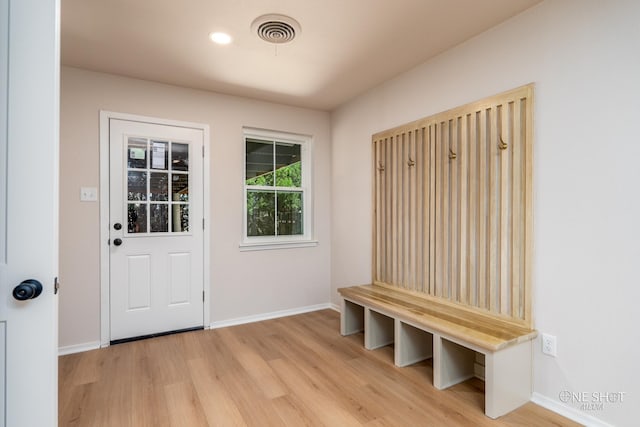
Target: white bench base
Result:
[[508, 371]]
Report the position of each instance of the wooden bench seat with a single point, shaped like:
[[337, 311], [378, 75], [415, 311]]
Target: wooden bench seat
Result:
[[422, 328]]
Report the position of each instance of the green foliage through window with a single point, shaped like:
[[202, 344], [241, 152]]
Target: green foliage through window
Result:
[[278, 210]]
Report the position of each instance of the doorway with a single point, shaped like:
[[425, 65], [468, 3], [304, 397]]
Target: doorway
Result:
[[154, 244]]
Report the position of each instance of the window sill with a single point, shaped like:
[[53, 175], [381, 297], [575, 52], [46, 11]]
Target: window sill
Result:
[[265, 246]]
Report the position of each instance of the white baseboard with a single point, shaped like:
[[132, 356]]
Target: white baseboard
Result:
[[78, 348], [567, 411], [268, 316], [335, 307]]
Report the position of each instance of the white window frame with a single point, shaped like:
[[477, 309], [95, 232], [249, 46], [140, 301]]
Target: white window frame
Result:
[[278, 242]]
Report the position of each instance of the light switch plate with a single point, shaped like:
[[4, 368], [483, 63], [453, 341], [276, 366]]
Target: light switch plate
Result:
[[88, 194]]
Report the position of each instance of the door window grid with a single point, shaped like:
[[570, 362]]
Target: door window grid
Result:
[[156, 170]]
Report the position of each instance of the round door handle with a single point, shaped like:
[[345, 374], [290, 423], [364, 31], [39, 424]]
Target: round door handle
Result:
[[29, 289], [117, 226], [117, 242]]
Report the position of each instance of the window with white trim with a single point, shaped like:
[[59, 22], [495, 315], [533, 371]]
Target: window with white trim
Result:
[[277, 194]]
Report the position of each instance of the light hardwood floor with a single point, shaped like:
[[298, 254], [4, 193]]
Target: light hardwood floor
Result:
[[293, 371]]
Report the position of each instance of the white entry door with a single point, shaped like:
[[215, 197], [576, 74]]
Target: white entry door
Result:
[[29, 100], [156, 228]]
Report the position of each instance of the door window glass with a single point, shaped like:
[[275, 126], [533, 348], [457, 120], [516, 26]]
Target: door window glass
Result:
[[137, 217], [137, 185], [156, 170]]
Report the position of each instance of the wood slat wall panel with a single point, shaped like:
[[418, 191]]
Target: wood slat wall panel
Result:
[[453, 205]]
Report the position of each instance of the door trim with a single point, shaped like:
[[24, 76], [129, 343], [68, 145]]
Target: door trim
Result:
[[105, 117]]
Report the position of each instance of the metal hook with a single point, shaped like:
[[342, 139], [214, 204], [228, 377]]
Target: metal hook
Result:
[[502, 145], [380, 166], [452, 155], [411, 162]]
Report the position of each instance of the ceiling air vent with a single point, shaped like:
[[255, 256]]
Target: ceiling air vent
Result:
[[276, 29]]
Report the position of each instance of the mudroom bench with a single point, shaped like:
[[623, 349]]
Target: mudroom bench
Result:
[[421, 328]]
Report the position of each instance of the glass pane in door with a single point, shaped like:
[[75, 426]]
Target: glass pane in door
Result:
[[179, 157], [180, 187], [159, 155], [180, 218], [136, 185], [137, 153], [137, 217], [159, 186], [159, 219]]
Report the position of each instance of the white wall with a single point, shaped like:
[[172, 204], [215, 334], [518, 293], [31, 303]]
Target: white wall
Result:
[[242, 283], [584, 57]]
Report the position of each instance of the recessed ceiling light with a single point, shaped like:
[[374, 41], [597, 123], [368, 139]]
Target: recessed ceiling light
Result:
[[220, 38]]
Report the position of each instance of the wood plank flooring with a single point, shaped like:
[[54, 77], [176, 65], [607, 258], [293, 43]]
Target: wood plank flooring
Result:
[[292, 371]]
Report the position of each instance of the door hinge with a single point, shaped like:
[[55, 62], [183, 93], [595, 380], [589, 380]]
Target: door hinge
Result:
[[56, 286], [203, 223], [203, 151], [202, 296]]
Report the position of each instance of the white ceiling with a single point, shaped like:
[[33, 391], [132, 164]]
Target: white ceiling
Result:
[[344, 48]]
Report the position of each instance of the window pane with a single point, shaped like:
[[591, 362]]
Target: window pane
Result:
[[159, 155], [136, 185], [137, 218], [137, 153], [288, 165], [159, 218], [180, 218], [260, 213], [159, 186], [259, 162], [180, 187], [290, 214], [179, 157]]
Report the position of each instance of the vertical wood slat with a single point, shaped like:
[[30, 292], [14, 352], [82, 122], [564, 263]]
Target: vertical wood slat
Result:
[[397, 205], [378, 205], [406, 184], [528, 206], [473, 210], [387, 207], [394, 211], [483, 212], [420, 196], [493, 218], [433, 168], [376, 267], [459, 228], [412, 210], [503, 158], [439, 206], [454, 170], [516, 224], [463, 212], [446, 198]]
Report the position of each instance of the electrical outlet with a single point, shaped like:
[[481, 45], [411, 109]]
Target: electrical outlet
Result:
[[549, 345]]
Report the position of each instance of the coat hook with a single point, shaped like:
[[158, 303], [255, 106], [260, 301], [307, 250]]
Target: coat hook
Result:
[[502, 145], [411, 162], [452, 155], [380, 166]]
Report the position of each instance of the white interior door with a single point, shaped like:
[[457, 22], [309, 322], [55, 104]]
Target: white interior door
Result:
[[29, 100], [156, 228]]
